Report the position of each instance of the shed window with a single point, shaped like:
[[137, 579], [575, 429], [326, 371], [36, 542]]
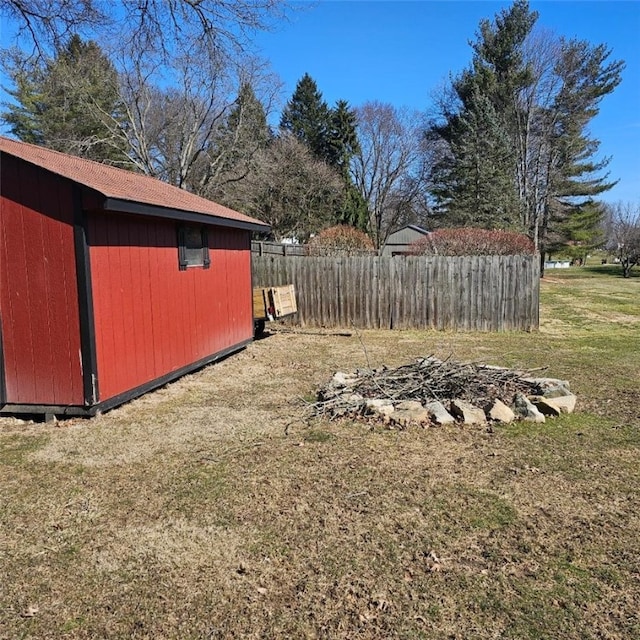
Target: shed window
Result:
[[193, 247]]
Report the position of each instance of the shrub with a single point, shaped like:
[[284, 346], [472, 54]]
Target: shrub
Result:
[[340, 240], [465, 241]]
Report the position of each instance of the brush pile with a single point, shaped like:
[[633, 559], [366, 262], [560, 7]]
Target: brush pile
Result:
[[441, 391]]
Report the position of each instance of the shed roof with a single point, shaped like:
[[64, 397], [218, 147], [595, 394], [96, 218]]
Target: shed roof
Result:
[[127, 191], [407, 234]]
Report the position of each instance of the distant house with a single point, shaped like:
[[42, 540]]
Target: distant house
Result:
[[111, 283], [398, 243]]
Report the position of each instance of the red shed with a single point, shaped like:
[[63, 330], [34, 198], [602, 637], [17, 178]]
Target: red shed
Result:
[[111, 283]]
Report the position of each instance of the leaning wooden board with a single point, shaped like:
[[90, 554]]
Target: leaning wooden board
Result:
[[270, 303]]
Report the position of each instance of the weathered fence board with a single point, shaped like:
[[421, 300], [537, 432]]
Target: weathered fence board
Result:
[[471, 293], [277, 248]]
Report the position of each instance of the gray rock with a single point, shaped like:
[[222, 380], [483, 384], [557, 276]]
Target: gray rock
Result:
[[438, 413], [341, 380], [545, 384], [559, 391], [410, 412], [499, 412], [544, 406], [378, 406], [467, 413], [564, 404], [526, 410], [375, 403], [409, 405]]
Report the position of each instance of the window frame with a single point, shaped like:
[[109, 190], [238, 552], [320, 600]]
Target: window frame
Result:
[[187, 261]]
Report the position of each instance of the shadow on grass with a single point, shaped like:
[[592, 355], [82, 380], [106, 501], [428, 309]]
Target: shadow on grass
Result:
[[591, 271], [614, 270]]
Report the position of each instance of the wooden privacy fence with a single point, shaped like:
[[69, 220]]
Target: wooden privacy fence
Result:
[[277, 248], [471, 293]]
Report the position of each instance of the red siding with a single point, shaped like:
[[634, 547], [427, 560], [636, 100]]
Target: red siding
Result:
[[38, 287], [151, 318]]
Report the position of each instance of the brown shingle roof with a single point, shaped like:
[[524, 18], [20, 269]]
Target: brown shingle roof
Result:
[[120, 184]]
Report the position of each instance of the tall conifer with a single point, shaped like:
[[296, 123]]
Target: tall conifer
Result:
[[307, 117], [65, 103], [515, 144]]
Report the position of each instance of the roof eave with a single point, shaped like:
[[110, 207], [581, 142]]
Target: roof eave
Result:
[[415, 227], [137, 208]]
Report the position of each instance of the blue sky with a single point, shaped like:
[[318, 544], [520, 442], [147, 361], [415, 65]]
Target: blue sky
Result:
[[402, 52]]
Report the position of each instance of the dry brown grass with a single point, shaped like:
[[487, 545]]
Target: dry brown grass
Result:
[[209, 509]]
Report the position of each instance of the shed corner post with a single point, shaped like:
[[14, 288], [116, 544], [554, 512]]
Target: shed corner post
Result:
[[85, 301]]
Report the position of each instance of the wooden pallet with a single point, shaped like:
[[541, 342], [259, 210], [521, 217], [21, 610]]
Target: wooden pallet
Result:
[[270, 303]]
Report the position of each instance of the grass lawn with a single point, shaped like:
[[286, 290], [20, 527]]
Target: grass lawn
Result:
[[210, 509]]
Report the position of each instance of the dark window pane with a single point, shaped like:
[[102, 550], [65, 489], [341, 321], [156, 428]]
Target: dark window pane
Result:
[[193, 249]]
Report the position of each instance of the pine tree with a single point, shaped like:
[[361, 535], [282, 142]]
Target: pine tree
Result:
[[517, 151], [574, 176], [232, 155], [64, 103], [331, 136], [245, 131], [580, 232], [307, 117], [248, 119], [342, 146], [342, 137], [476, 179]]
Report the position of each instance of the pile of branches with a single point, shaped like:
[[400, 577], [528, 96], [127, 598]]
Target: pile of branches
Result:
[[426, 380]]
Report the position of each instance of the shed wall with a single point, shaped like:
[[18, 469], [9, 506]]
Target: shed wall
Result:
[[151, 318], [39, 309], [400, 241]]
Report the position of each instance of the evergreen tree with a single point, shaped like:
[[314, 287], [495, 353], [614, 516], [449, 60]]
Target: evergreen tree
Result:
[[307, 117], [476, 178], [231, 156], [353, 210], [248, 119], [499, 65], [573, 173], [580, 233], [331, 136], [342, 146], [342, 137], [65, 103], [516, 148], [475, 181]]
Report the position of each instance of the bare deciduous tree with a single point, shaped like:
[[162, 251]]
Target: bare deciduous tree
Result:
[[161, 26], [290, 189], [168, 129], [622, 227], [181, 65], [182, 133], [49, 22], [385, 167]]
